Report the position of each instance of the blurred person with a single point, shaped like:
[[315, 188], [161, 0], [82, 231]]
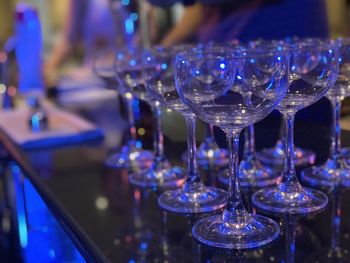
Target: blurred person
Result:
[[89, 23], [222, 20], [186, 28], [6, 26]]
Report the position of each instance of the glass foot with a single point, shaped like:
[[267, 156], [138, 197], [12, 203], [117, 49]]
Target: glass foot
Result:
[[161, 174], [195, 199], [254, 231], [252, 174], [292, 200], [130, 158], [332, 173], [275, 156]]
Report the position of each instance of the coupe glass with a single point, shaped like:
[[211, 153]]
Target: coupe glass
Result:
[[275, 156], [194, 196], [313, 70], [131, 156], [252, 172], [335, 170], [204, 81], [134, 68]]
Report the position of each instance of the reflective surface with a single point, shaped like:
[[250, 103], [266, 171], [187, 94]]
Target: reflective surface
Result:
[[335, 170], [129, 226]]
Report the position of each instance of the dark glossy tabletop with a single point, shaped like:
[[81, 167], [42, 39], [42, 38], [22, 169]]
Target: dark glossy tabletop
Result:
[[127, 226]]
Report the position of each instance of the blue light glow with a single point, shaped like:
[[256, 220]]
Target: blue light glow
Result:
[[20, 206], [164, 66], [132, 62], [325, 60], [222, 65], [279, 58], [134, 16], [239, 77], [52, 253], [138, 144], [129, 26], [270, 85], [321, 76], [47, 242], [35, 122], [125, 2], [136, 109], [143, 246], [15, 169]]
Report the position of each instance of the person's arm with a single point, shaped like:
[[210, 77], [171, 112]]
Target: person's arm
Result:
[[186, 27], [64, 45]]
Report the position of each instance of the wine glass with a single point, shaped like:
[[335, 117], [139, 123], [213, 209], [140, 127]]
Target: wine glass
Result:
[[252, 173], [335, 170], [131, 156], [275, 156], [134, 68], [313, 70], [194, 196], [204, 82]]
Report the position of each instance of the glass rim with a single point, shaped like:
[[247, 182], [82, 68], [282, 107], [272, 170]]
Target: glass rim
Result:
[[233, 53], [311, 43], [302, 43]]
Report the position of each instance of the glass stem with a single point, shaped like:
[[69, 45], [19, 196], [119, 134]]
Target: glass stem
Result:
[[249, 141], [289, 177], [158, 141], [234, 210], [282, 134], [192, 167], [210, 132], [128, 101], [335, 139]]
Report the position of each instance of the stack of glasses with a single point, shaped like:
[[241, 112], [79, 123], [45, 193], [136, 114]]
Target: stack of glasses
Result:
[[233, 87]]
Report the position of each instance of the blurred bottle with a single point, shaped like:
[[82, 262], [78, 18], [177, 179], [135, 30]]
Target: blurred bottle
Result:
[[28, 50], [28, 55]]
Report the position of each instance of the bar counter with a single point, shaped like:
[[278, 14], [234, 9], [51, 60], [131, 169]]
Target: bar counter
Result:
[[90, 213]]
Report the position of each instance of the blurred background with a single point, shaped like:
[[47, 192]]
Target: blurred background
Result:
[[75, 31], [71, 28]]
